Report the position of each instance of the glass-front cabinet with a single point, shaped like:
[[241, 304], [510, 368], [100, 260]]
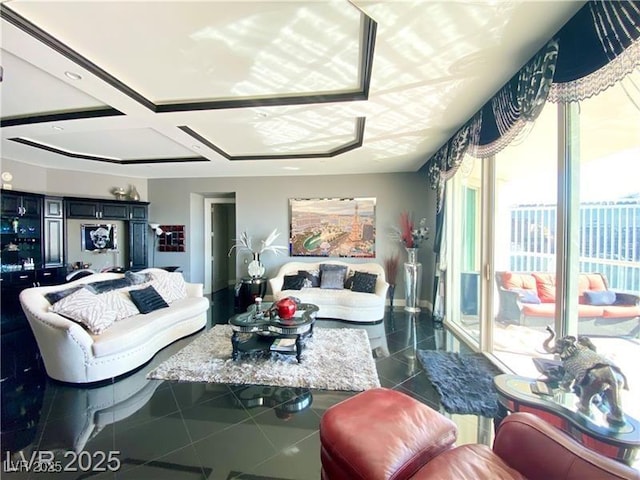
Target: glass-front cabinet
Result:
[[21, 232]]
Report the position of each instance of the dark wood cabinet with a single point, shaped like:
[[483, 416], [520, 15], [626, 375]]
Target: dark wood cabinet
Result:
[[21, 204], [138, 245], [99, 210], [134, 214], [138, 212], [53, 232]]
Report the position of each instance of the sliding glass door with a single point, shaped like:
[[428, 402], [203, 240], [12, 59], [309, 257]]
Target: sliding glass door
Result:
[[562, 201]]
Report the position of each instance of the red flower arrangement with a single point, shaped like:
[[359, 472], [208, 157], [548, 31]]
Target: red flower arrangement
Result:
[[410, 236]]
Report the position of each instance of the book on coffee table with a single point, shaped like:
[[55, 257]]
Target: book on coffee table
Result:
[[283, 345]]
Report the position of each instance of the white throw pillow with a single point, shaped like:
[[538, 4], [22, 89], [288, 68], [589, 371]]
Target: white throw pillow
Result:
[[86, 308], [171, 286], [120, 302]]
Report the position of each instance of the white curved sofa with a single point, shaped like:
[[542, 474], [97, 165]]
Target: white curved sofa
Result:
[[71, 353], [342, 308]]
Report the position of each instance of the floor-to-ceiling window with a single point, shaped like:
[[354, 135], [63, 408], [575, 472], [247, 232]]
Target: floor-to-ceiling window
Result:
[[466, 211], [608, 224], [579, 163]]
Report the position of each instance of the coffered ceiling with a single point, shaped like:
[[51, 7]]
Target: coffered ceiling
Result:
[[184, 89]]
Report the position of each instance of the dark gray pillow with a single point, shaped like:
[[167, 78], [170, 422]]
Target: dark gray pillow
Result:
[[364, 282], [53, 297], [135, 278], [108, 285], [147, 299], [333, 279], [293, 282]]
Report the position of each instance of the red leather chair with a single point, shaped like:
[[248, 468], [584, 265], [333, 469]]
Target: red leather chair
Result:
[[384, 434]]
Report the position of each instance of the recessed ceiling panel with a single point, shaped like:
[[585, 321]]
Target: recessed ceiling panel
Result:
[[120, 145], [188, 51], [28, 90], [306, 132]]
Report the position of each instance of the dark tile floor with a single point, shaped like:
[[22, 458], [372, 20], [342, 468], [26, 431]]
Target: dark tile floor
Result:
[[161, 429]]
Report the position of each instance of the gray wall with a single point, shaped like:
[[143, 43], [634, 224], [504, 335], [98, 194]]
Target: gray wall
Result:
[[262, 204]]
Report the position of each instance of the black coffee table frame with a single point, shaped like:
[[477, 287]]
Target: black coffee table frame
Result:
[[264, 330]]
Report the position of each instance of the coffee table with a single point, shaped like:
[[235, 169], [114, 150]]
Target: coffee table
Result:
[[265, 331], [559, 409]]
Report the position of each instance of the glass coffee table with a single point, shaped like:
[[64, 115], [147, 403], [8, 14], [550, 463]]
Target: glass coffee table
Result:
[[270, 333], [558, 407]]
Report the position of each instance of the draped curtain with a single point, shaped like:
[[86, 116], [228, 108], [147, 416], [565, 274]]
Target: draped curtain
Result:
[[596, 48]]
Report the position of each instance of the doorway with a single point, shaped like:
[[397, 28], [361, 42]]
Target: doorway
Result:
[[220, 230]]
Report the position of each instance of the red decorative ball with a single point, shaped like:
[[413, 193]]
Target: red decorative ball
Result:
[[286, 308]]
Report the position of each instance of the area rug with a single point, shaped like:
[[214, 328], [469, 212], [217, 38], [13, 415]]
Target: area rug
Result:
[[333, 359], [464, 381]]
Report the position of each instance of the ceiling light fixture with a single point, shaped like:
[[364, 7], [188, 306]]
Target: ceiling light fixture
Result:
[[73, 75], [291, 168], [57, 127]]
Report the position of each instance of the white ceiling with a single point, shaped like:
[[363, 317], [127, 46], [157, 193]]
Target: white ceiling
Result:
[[210, 88]]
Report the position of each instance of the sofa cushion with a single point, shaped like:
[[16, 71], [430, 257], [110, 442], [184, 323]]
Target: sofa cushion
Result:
[[136, 278], [87, 308], [527, 295], [546, 286], [170, 285], [147, 299], [104, 286], [364, 282], [600, 297], [131, 333], [468, 461], [312, 277], [590, 281], [120, 302], [53, 297], [332, 276], [511, 280], [330, 297], [621, 311], [293, 282]]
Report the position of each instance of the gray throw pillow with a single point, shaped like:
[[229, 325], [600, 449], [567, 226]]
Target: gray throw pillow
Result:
[[108, 285], [333, 279], [53, 297]]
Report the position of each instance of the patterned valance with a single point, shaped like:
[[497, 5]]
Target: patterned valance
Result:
[[599, 46]]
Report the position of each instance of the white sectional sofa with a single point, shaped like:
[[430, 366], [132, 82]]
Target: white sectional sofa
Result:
[[71, 352], [341, 307]]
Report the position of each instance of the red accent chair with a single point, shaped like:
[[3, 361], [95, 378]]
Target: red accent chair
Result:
[[385, 434]]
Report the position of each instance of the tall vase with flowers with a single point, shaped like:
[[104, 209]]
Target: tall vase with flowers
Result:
[[245, 243], [411, 237]]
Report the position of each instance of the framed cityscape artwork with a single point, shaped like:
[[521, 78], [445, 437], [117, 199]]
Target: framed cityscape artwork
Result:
[[332, 227]]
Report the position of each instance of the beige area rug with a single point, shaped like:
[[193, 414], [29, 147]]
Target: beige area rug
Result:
[[334, 359]]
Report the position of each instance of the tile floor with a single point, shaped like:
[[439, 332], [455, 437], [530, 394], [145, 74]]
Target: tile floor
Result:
[[162, 429]]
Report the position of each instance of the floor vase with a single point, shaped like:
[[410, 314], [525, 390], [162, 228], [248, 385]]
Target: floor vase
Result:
[[412, 281]]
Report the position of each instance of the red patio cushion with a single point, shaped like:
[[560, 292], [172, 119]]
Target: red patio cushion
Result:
[[621, 311], [546, 285], [518, 280]]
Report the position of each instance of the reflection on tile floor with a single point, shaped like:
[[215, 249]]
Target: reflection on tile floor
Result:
[[179, 431]]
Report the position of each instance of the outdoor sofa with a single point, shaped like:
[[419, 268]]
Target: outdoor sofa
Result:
[[529, 298]]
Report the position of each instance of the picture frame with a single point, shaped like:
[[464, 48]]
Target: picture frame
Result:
[[332, 227], [99, 237]]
